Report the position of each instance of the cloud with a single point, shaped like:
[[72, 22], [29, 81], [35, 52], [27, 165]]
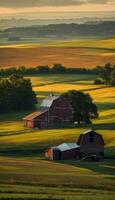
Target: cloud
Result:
[[39, 3]]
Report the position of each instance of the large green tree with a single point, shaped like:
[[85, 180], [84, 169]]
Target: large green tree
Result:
[[105, 72], [83, 107], [16, 94]]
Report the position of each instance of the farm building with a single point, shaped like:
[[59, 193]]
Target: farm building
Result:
[[91, 143], [65, 151], [54, 112]]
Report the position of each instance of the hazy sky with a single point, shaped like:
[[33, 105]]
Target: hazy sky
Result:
[[14, 7]]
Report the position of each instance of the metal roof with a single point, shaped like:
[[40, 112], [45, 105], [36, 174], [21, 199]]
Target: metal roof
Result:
[[46, 103], [67, 146]]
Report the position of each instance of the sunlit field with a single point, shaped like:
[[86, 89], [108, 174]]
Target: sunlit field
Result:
[[46, 79], [104, 95], [60, 88], [99, 43], [76, 53], [24, 172], [12, 122]]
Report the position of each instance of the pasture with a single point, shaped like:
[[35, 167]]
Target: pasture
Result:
[[76, 53], [25, 174]]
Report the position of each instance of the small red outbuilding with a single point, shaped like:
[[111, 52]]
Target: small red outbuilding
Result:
[[36, 119]]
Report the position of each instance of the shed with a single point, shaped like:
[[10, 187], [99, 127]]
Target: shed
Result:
[[36, 119], [65, 151]]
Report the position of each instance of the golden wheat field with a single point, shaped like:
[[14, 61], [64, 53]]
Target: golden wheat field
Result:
[[70, 54]]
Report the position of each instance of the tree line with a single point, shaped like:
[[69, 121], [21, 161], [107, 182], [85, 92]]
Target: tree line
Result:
[[55, 69], [105, 74]]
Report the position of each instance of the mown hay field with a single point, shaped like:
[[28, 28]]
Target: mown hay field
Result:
[[24, 172], [70, 53]]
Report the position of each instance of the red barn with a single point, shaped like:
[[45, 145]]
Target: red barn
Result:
[[91, 143], [54, 112]]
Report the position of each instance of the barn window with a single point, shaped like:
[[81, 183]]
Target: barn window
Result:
[[91, 137]]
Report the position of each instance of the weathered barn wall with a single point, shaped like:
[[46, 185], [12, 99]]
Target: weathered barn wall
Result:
[[91, 143], [70, 154]]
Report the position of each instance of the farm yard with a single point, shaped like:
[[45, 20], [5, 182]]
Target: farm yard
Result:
[[25, 174]]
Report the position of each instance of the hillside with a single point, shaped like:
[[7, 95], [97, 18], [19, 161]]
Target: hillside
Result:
[[25, 174]]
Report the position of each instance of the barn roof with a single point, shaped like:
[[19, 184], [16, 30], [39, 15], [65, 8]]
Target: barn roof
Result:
[[34, 115], [46, 103], [89, 131], [44, 107], [67, 146], [81, 137]]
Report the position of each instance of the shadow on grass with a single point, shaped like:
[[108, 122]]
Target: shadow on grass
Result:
[[37, 150], [23, 150], [106, 167], [110, 152], [97, 126], [14, 116], [106, 106], [104, 126]]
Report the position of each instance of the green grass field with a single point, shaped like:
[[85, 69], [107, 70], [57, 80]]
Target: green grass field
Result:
[[24, 172]]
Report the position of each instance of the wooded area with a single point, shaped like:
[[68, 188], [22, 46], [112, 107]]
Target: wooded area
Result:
[[16, 94]]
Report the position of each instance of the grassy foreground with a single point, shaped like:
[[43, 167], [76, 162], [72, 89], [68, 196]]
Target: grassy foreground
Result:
[[32, 177], [25, 174]]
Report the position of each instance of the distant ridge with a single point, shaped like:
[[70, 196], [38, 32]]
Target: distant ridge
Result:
[[100, 29]]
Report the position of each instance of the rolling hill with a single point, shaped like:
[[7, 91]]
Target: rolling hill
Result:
[[25, 174], [102, 29]]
